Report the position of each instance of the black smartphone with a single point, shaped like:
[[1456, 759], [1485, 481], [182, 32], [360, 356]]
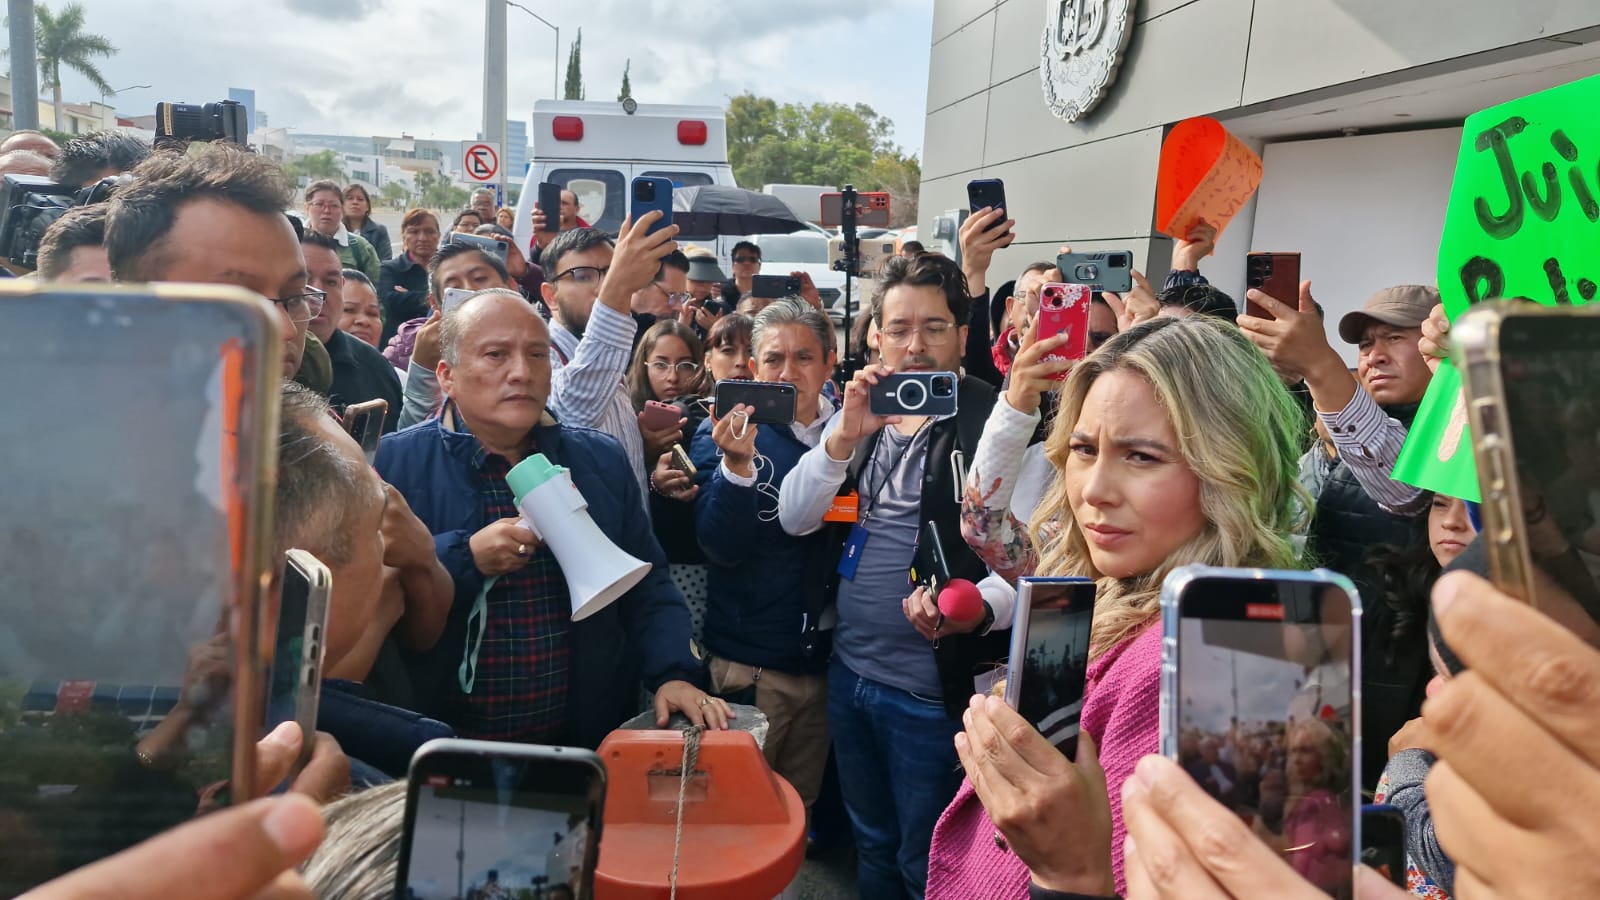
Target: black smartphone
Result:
[[930, 568], [1111, 271], [652, 193], [1259, 706], [988, 193], [495, 246], [774, 401], [1049, 662], [293, 687], [914, 394], [550, 205], [1275, 274], [490, 819], [133, 571], [1383, 841], [774, 286], [364, 422]]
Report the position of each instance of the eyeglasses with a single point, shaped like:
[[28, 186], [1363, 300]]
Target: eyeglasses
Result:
[[934, 333], [585, 274], [301, 307], [326, 204], [685, 369], [676, 299], [747, 259]]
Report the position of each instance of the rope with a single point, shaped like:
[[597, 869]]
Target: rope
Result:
[[691, 755]]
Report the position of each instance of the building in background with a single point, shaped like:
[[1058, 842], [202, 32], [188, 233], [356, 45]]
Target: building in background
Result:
[[1355, 108], [246, 97], [516, 161]]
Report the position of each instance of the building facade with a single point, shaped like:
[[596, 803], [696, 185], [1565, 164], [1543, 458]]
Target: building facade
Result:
[[1355, 107]]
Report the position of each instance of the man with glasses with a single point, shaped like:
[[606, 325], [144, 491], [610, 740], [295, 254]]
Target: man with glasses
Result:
[[359, 372], [663, 298], [325, 215], [901, 675], [590, 283]]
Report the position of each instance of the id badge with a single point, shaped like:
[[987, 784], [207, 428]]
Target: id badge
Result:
[[851, 558]]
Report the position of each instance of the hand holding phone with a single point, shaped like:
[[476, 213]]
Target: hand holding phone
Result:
[[1275, 274], [652, 193], [658, 416], [490, 245], [987, 193], [771, 402], [914, 394], [550, 206], [1049, 661], [774, 286], [1064, 309], [1111, 271]]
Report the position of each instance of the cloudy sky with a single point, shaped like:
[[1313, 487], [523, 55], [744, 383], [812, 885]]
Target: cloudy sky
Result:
[[384, 66]]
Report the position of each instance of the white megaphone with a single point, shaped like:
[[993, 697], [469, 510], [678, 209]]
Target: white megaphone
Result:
[[597, 571]]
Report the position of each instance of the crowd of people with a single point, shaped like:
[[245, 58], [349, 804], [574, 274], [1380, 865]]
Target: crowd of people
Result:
[[1190, 433]]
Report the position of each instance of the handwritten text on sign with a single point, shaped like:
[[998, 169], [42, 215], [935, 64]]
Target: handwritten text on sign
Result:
[[1523, 221]]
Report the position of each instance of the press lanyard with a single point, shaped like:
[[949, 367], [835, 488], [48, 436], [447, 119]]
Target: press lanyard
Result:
[[889, 472]]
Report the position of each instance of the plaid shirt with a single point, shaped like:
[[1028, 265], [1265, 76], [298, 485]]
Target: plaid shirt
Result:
[[521, 688]]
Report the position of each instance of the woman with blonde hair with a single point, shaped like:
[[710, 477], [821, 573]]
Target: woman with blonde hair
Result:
[[1174, 444]]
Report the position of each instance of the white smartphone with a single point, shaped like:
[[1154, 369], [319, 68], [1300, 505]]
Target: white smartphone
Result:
[[453, 297]]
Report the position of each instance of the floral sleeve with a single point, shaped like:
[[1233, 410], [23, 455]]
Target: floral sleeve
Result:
[[998, 537]]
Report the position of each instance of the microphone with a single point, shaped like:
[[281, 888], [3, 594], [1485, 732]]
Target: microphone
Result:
[[960, 601]]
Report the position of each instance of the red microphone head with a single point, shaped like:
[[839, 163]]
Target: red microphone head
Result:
[[960, 601]]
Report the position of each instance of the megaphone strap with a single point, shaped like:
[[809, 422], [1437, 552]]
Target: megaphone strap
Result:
[[468, 673]]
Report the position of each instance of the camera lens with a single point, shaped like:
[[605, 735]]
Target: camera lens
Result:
[[944, 386], [1117, 260], [1086, 273], [644, 190], [912, 395]]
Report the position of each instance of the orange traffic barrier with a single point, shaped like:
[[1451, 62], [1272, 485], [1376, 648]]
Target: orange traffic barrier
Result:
[[744, 827], [1205, 175]]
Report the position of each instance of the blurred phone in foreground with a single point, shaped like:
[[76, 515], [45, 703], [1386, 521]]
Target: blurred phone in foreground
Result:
[[1049, 660], [489, 819], [136, 541], [364, 422], [1531, 375], [1260, 705], [296, 675]]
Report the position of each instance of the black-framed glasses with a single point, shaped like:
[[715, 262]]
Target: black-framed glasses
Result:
[[747, 259], [302, 307], [585, 275], [685, 369]]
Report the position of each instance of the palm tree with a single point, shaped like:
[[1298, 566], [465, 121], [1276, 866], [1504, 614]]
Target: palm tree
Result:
[[63, 42]]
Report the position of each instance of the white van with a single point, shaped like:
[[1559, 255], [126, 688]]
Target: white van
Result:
[[596, 148]]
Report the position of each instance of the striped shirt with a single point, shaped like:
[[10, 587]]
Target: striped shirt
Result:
[[586, 382]]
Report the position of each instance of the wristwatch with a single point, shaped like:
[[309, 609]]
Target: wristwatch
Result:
[[988, 619]]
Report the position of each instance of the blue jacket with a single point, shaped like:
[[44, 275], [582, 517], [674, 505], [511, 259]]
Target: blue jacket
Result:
[[645, 634], [376, 736], [761, 580]]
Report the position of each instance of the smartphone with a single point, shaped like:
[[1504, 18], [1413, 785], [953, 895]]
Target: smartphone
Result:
[[1261, 705], [296, 675], [773, 401], [487, 244], [550, 205], [872, 209], [491, 819], [658, 416], [1112, 271], [988, 193], [454, 297], [1049, 662], [1383, 841], [774, 286], [914, 394], [1275, 274], [652, 192], [133, 572], [1527, 371], [930, 568], [1064, 309], [364, 422], [680, 461]]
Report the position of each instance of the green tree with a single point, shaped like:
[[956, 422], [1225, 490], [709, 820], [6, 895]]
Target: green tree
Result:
[[627, 86], [821, 143], [321, 165], [574, 89], [436, 192], [63, 42], [394, 193]]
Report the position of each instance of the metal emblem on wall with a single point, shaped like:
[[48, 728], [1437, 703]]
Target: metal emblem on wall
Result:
[[1080, 51]]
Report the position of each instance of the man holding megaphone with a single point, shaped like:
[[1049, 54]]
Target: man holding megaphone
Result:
[[549, 635]]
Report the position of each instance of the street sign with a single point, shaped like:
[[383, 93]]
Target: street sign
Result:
[[480, 161]]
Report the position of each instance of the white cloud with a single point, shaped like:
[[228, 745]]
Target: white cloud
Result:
[[386, 66]]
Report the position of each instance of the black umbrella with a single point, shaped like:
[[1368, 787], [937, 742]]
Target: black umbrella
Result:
[[706, 211]]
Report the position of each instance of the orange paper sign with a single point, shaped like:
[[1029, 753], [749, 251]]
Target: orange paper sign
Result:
[[1206, 175]]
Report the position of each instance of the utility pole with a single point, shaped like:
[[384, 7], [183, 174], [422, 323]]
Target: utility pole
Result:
[[494, 86], [24, 65]]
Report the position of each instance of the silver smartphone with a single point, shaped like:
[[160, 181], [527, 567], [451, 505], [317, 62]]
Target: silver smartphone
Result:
[[1049, 660], [1261, 705], [298, 647], [491, 819], [453, 297]]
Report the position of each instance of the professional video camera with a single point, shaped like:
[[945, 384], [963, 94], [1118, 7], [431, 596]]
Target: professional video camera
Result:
[[29, 204]]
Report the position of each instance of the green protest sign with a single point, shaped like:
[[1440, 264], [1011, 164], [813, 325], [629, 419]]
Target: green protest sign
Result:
[[1522, 222]]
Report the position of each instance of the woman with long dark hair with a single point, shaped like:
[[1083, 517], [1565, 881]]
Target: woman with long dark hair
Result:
[[358, 218]]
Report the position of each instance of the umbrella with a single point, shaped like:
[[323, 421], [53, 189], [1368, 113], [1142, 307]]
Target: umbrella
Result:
[[707, 211]]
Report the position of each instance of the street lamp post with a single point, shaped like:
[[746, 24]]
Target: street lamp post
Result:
[[131, 87], [555, 60]]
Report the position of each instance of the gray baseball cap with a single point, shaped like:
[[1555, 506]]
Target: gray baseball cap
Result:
[[1403, 306]]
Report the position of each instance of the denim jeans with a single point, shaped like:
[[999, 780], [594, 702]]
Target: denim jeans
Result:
[[898, 771]]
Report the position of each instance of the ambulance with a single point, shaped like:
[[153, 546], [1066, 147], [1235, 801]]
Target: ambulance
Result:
[[596, 149]]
